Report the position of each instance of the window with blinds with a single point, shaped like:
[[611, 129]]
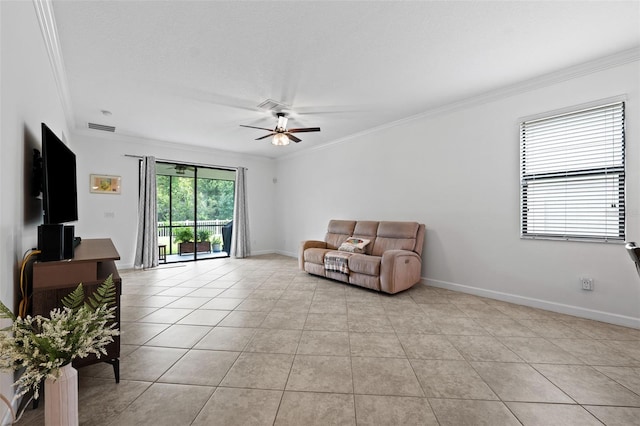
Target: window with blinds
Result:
[[572, 175]]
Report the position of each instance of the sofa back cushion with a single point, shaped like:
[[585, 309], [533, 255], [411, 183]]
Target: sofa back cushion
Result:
[[383, 235], [396, 236], [338, 231], [368, 230]]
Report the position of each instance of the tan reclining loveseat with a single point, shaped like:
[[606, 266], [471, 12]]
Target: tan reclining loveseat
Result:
[[391, 262]]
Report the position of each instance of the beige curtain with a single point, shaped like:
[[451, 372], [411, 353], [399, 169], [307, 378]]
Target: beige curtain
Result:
[[147, 241], [240, 234]]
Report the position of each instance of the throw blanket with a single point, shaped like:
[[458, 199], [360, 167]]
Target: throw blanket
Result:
[[336, 261]]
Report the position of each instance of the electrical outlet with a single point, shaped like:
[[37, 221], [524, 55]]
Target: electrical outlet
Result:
[[587, 283]]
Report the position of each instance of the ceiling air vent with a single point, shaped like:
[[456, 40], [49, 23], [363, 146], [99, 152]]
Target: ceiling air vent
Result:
[[102, 127], [271, 105]]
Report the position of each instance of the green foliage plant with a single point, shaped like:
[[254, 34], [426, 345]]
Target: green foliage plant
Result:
[[42, 345], [204, 235], [216, 240], [183, 235]]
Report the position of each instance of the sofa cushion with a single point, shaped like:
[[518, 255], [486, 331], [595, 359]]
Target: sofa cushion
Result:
[[341, 226], [315, 255], [366, 229], [338, 231], [365, 264], [395, 236], [363, 280], [314, 268], [398, 229]]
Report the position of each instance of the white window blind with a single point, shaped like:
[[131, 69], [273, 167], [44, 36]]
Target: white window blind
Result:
[[572, 175]]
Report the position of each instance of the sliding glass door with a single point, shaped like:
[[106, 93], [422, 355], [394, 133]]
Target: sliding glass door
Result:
[[195, 208]]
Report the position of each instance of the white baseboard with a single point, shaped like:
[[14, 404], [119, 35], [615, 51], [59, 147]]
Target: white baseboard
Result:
[[129, 266], [287, 253], [538, 303], [260, 252]]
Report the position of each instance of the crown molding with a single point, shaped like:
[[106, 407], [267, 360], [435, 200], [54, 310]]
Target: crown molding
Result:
[[49, 30], [600, 64], [156, 143]]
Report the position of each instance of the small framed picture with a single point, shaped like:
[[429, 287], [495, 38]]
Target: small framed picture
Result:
[[102, 184]]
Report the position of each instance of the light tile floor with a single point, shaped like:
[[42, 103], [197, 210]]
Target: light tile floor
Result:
[[256, 341]]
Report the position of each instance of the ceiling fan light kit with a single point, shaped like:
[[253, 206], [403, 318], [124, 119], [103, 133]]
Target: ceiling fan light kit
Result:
[[280, 139], [282, 136]]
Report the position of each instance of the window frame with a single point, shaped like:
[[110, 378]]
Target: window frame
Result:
[[602, 175]]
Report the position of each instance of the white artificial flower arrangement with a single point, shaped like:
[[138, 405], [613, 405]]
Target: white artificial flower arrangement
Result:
[[41, 345]]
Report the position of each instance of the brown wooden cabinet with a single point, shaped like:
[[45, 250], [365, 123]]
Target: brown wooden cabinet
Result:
[[93, 261]]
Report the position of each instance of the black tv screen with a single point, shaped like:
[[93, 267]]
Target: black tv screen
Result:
[[59, 186]]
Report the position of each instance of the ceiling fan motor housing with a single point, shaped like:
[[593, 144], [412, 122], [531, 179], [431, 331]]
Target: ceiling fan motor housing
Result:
[[281, 127]]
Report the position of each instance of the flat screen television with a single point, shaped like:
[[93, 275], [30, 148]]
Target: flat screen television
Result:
[[59, 185]]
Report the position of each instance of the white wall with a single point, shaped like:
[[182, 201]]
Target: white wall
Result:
[[115, 216], [458, 172], [28, 96]]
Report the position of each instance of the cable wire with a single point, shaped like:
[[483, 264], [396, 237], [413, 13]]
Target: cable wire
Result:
[[24, 297], [13, 413]]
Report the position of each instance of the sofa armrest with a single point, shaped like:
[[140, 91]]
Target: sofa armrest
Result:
[[308, 244], [399, 270]]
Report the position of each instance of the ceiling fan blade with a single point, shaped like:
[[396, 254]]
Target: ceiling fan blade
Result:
[[265, 136], [259, 128], [293, 138], [304, 129]]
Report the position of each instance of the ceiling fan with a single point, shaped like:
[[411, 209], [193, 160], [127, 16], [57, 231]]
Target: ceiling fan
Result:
[[181, 169], [282, 135]]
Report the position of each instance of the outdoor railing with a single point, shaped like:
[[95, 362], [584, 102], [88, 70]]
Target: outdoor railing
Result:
[[166, 229]]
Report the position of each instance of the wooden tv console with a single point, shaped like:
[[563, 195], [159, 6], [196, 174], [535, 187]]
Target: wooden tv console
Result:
[[93, 261]]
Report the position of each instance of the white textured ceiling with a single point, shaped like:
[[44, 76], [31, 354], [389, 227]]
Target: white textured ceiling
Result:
[[193, 71]]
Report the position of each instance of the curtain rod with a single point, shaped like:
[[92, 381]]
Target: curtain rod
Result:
[[186, 163]]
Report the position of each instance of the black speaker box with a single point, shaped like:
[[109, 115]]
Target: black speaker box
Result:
[[50, 242], [68, 246]]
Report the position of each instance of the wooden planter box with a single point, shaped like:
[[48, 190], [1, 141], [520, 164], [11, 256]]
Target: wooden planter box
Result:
[[186, 248]]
